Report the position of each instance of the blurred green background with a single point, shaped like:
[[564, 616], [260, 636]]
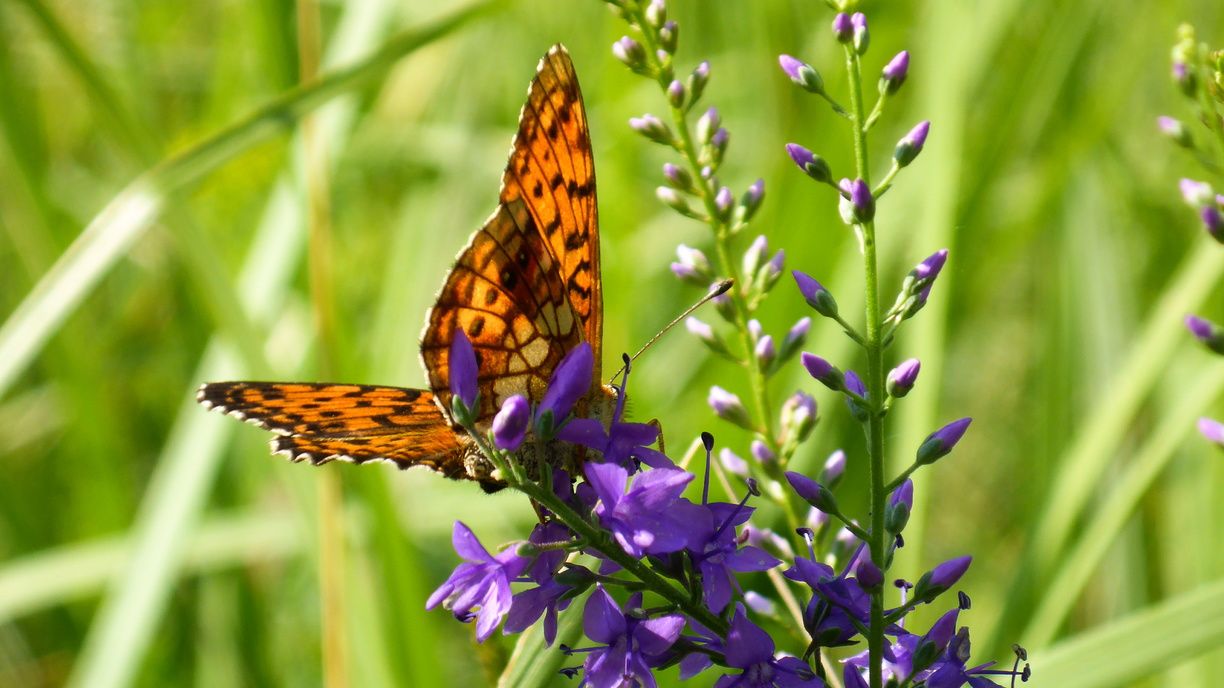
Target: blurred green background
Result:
[[156, 179]]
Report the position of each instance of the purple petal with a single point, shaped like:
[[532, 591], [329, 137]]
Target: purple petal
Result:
[[751, 559], [746, 643], [655, 635], [570, 380], [585, 431], [463, 368], [467, 545], [608, 480], [602, 620]]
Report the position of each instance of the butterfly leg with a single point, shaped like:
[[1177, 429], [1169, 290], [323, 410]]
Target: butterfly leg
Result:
[[654, 423]]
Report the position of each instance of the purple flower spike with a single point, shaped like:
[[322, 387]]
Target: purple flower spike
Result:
[[815, 294], [480, 588], [1213, 430], [894, 73], [802, 73], [902, 378], [1207, 332], [752, 650], [822, 371], [463, 372], [911, 144], [630, 643], [843, 29], [570, 381], [510, 423], [812, 165], [941, 442]]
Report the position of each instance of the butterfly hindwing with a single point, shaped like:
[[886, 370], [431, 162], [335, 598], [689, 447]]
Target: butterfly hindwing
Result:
[[321, 422]]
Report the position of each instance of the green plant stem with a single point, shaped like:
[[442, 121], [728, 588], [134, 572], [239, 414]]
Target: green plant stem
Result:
[[875, 374]]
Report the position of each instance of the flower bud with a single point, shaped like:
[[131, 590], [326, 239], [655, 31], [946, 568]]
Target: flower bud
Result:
[[861, 38], [1213, 430], [707, 124], [843, 29], [733, 463], [901, 379], [870, 577], [798, 417], [697, 81], [816, 519], [708, 336], [510, 423], [675, 93], [769, 273], [652, 128], [941, 442], [631, 53], [822, 371], [712, 153], [728, 407], [941, 578], [754, 256], [802, 73], [815, 294], [1175, 130], [900, 502], [754, 329], [1213, 222], [862, 203], [894, 73], [795, 338], [758, 603], [692, 266], [656, 13], [1207, 332], [854, 384], [463, 384], [677, 177], [1196, 194], [812, 165], [911, 144], [672, 199], [723, 201], [751, 201], [725, 307], [669, 36], [762, 453], [834, 468], [765, 352], [812, 492]]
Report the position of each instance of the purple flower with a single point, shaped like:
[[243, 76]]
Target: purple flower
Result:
[[549, 595], [902, 378], [815, 294], [900, 502], [899, 657], [861, 202], [510, 423], [939, 443], [630, 642], [894, 73], [812, 492], [802, 74], [855, 384], [911, 144], [649, 518], [463, 370], [678, 177], [717, 554], [570, 381], [622, 443], [480, 588], [949, 670], [904, 494], [812, 165], [941, 578], [1213, 430], [629, 52], [869, 576], [752, 650], [843, 29]]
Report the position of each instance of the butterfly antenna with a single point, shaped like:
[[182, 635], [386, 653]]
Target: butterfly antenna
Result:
[[717, 289]]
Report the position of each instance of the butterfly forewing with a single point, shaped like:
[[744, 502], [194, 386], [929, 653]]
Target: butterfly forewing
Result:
[[525, 290]]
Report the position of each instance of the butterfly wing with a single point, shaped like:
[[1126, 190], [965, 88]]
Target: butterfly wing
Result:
[[357, 423], [526, 288]]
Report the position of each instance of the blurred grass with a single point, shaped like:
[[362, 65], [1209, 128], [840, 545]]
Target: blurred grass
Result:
[[154, 142]]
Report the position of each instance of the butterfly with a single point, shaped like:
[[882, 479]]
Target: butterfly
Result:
[[526, 290]]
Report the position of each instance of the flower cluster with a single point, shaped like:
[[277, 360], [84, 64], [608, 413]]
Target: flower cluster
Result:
[[668, 575], [1198, 74]]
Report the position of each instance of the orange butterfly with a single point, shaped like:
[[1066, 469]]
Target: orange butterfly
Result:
[[526, 290]]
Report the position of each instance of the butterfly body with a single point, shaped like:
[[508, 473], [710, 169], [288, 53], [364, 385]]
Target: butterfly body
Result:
[[525, 290]]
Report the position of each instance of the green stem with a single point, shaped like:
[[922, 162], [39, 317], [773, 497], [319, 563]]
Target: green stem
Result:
[[875, 374]]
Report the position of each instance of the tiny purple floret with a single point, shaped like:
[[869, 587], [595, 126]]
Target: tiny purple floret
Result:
[[510, 423]]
